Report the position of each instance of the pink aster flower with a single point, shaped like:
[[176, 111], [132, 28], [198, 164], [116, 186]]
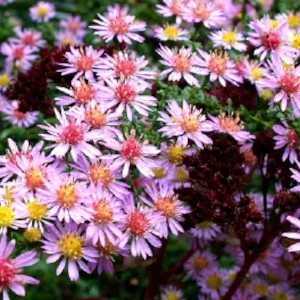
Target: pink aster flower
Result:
[[186, 123], [68, 244], [180, 63], [18, 55], [171, 33], [205, 231], [66, 198], [253, 71], [70, 134], [42, 11], [232, 126], [101, 174], [117, 23], [11, 269], [293, 235], [270, 38], [287, 139], [172, 8], [140, 230], [228, 39], [124, 66], [106, 215], [67, 39], [82, 62], [171, 292], [219, 67], [285, 81], [74, 26], [29, 38], [132, 151], [17, 117], [162, 199], [126, 96]]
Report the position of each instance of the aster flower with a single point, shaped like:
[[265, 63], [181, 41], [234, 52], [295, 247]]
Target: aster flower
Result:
[[105, 218], [180, 64], [205, 231], [101, 174], [232, 126], [29, 38], [162, 199], [228, 39], [125, 65], [219, 67], [66, 198], [171, 8], [139, 229], [126, 96], [42, 11], [82, 62], [287, 139], [70, 134], [117, 23], [171, 33], [253, 71], [132, 152], [65, 39], [11, 269], [186, 123], [68, 244], [171, 293], [74, 26]]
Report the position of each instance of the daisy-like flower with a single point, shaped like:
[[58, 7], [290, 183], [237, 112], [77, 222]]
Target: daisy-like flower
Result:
[[171, 293], [67, 39], [81, 62], [162, 199], [270, 37], [171, 33], [285, 81], [172, 8], [42, 12], [5, 81], [205, 231], [124, 66], [253, 71], [186, 123], [29, 38], [66, 198], [68, 244], [180, 63], [105, 218], [17, 117], [74, 26], [101, 174], [232, 126], [139, 229], [70, 134], [228, 39], [11, 269], [117, 23], [132, 151], [206, 12], [293, 235], [126, 96], [219, 67], [18, 55], [287, 139]]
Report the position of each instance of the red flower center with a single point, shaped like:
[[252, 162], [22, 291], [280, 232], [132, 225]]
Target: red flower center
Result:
[[290, 83], [7, 272], [28, 39], [131, 149], [293, 138], [19, 115], [72, 134], [74, 26], [125, 68], [18, 53], [138, 223], [85, 63], [119, 25], [96, 118], [125, 93], [271, 40]]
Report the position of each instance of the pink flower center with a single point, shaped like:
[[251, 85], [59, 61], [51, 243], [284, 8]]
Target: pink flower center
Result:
[[290, 83], [85, 63], [229, 124], [189, 124], [176, 7], [67, 195], [34, 178], [72, 134], [102, 212], [167, 206], [182, 63], [125, 68], [217, 64], [19, 115], [84, 93], [271, 40], [293, 138], [202, 12], [7, 272], [96, 118], [73, 26], [29, 39], [125, 93], [138, 223], [131, 149], [119, 25], [18, 53]]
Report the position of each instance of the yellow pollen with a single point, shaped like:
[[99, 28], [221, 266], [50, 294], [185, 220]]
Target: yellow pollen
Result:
[[32, 234], [230, 37], [295, 41], [159, 172], [4, 80], [43, 10], [176, 154], [7, 216], [257, 73], [103, 213], [101, 174], [172, 295], [294, 21], [71, 245], [171, 32], [34, 178], [182, 174], [37, 210], [67, 195], [214, 282], [167, 206], [266, 94], [274, 24]]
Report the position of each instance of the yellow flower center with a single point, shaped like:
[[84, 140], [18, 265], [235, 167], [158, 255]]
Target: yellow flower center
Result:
[[99, 173], [214, 282], [159, 172], [32, 234], [280, 296], [230, 37], [71, 245], [296, 41], [37, 210], [103, 212], [182, 174], [4, 80], [205, 225], [176, 154], [257, 73], [190, 124], [172, 295], [43, 11], [266, 94], [294, 21], [7, 216], [171, 32], [67, 195], [261, 289], [274, 24], [167, 206]]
